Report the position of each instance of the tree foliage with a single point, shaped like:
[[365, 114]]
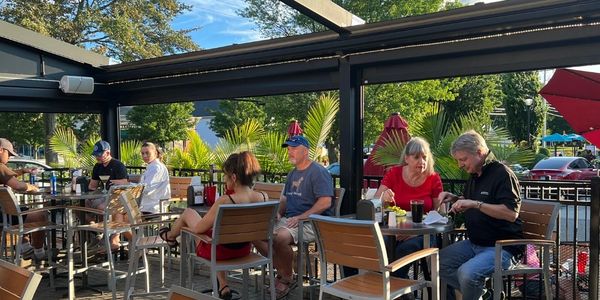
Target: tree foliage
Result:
[[23, 128], [161, 123], [83, 125], [516, 88], [476, 95], [233, 113], [124, 30]]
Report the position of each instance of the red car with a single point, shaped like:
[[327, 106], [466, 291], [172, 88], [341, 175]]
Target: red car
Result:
[[563, 168]]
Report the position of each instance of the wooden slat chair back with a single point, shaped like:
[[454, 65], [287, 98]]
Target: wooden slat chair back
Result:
[[179, 293], [238, 223], [140, 243], [538, 218], [359, 244], [17, 282], [114, 204], [339, 197], [273, 190], [179, 187], [9, 203]]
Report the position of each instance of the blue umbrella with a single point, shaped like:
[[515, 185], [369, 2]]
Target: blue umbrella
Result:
[[556, 138], [575, 137]]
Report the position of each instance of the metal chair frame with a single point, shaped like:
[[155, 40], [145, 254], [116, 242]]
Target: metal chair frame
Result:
[[359, 244], [538, 218], [236, 223], [10, 207]]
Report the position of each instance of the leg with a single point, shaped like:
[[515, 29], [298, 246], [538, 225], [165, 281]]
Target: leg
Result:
[[473, 273], [451, 258], [189, 218], [284, 253], [37, 238], [404, 248], [224, 290]]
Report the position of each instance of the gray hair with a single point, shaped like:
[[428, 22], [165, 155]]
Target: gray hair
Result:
[[416, 146], [469, 142]]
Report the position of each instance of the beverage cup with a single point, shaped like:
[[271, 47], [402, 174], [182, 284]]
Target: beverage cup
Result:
[[78, 189], [582, 260], [416, 208], [391, 219], [210, 192]]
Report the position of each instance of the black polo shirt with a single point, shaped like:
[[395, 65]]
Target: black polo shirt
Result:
[[496, 185], [115, 169]]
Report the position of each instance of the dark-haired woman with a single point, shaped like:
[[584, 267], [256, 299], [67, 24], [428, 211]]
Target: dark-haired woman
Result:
[[240, 169], [156, 179]]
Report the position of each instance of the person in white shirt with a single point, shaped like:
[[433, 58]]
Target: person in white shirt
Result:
[[156, 179]]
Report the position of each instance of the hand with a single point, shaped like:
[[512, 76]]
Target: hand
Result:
[[292, 222], [446, 197], [387, 197], [29, 170], [462, 205]]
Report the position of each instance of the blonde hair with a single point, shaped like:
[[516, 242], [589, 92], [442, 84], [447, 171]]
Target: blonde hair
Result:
[[158, 149], [470, 142], [416, 146]]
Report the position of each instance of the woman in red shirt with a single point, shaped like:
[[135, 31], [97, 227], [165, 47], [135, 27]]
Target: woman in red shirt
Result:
[[414, 178]]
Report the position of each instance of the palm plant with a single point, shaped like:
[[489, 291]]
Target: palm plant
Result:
[[440, 132], [79, 154], [319, 121], [196, 155]]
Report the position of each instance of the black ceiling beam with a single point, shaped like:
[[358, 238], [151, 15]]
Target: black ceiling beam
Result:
[[466, 22], [50, 106]]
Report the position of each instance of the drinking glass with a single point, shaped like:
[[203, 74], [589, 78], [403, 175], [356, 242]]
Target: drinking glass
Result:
[[416, 208], [104, 180]]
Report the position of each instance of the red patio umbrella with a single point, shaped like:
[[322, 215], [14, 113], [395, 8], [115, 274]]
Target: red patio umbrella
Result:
[[576, 96], [294, 128], [395, 123]]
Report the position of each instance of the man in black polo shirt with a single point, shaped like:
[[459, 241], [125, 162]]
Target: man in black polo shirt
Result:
[[491, 204]]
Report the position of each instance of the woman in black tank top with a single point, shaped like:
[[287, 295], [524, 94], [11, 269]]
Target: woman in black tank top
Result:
[[240, 169]]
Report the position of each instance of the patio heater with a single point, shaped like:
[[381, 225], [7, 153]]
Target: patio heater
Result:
[[528, 103]]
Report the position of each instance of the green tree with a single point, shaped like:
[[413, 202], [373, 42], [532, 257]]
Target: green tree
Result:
[[83, 125], [233, 113], [23, 129], [161, 123], [123, 30], [516, 88], [476, 95]]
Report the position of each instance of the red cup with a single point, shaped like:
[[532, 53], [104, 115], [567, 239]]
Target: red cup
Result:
[[582, 261], [210, 192]]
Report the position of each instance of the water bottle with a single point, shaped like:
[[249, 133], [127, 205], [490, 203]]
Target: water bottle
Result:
[[32, 179], [53, 183]]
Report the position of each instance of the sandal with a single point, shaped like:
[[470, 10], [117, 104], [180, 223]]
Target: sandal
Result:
[[284, 286], [164, 235], [225, 295]]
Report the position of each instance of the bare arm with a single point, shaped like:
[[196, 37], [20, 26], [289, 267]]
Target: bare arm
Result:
[[498, 211], [21, 186], [93, 185], [386, 194], [282, 205], [119, 181], [320, 206]]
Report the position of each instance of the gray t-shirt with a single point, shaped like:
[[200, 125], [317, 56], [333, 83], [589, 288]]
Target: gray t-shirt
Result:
[[303, 188]]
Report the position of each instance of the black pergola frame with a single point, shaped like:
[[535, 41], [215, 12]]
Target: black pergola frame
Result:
[[513, 35]]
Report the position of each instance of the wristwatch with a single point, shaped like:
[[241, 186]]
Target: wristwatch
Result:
[[479, 203]]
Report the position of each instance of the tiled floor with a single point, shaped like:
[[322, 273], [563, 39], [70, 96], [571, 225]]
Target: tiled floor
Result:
[[201, 281]]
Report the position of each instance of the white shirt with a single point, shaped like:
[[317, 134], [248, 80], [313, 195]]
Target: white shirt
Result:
[[156, 179]]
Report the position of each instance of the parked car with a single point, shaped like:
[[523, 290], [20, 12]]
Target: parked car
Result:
[[520, 171], [334, 168], [563, 168], [19, 163]]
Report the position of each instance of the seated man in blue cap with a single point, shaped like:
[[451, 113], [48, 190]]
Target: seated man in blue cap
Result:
[[308, 190], [106, 165]]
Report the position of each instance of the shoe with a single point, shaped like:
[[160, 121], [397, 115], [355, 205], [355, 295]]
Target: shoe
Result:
[[284, 286], [225, 294], [163, 234]]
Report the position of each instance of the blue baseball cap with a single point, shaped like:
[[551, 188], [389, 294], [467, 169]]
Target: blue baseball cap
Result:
[[100, 147], [296, 141]]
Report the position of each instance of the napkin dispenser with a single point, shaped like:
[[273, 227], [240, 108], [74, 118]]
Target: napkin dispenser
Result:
[[195, 195], [369, 210]]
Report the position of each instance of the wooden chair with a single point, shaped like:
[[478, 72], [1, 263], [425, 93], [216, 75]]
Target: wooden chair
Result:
[[179, 293], [235, 223], [538, 224], [16, 282], [178, 187], [359, 244], [11, 208], [107, 227], [273, 190]]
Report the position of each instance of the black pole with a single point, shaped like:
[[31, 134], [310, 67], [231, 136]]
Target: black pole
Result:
[[350, 119], [594, 240], [110, 125], [529, 126]]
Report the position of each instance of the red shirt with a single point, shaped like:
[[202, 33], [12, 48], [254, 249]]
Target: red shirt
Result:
[[403, 193]]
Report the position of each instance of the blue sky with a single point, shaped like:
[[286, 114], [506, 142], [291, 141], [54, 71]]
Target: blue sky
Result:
[[219, 24]]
